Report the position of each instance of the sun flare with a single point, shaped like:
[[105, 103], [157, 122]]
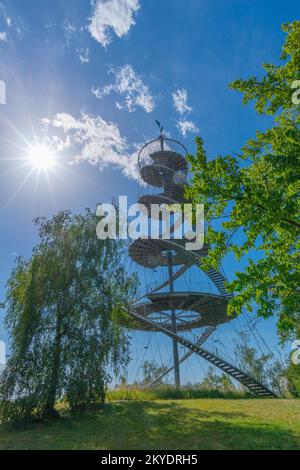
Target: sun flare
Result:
[[41, 157]]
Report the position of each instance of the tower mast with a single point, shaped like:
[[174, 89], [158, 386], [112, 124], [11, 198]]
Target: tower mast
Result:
[[173, 323]]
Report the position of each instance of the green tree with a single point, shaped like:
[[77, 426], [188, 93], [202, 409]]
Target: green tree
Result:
[[257, 194], [63, 304], [226, 384], [212, 381], [262, 367], [151, 371], [293, 379]]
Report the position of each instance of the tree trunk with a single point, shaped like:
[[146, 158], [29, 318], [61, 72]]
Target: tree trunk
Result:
[[49, 410]]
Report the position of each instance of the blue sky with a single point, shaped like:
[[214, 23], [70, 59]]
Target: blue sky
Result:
[[89, 79]]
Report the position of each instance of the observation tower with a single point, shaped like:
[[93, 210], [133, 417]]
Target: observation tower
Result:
[[164, 170]]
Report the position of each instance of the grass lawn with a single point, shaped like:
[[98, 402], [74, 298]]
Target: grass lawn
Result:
[[165, 424]]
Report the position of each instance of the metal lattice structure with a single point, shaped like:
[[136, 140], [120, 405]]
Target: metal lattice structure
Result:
[[163, 166]]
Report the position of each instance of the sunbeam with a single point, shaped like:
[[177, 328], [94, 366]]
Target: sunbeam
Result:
[[41, 157]]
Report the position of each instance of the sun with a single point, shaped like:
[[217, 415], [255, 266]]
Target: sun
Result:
[[41, 157]]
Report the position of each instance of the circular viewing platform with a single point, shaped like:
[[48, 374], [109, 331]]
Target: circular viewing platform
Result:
[[193, 310]]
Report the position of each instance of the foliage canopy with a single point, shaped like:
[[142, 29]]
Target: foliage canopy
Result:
[[256, 193], [62, 304]]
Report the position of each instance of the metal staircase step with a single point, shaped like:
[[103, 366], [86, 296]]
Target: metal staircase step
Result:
[[252, 384], [199, 342]]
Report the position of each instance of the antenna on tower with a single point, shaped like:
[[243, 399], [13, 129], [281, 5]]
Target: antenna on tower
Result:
[[160, 127], [161, 136]]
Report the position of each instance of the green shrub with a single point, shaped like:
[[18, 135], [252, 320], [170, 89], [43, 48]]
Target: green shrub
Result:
[[168, 392], [293, 377], [18, 411]]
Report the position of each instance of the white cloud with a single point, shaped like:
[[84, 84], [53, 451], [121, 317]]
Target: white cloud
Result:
[[15, 28], [180, 104], [104, 91], [117, 15], [129, 85], [69, 27], [84, 55], [185, 126], [70, 32], [96, 141], [6, 19], [180, 101], [97, 92]]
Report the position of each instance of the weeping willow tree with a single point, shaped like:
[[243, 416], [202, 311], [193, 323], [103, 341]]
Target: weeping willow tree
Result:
[[63, 305]]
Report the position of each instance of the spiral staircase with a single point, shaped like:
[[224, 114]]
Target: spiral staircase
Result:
[[173, 312]]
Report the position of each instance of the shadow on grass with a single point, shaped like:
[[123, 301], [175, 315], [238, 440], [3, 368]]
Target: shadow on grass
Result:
[[151, 425]]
